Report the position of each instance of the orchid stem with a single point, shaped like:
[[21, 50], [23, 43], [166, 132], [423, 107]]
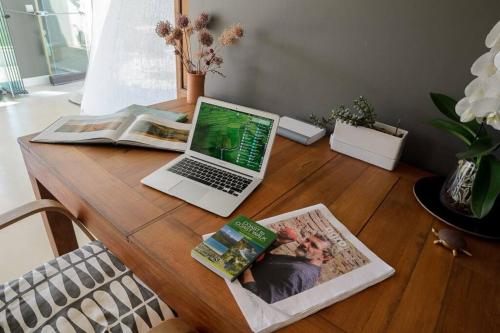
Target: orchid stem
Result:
[[480, 129]]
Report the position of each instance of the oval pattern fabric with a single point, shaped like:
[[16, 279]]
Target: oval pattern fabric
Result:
[[86, 290]]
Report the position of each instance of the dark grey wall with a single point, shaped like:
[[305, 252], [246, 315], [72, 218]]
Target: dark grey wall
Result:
[[301, 57], [25, 34]]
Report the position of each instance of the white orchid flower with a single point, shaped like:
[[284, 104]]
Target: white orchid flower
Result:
[[485, 107], [496, 47], [494, 120], [464, 110], [482, 95], [484, 66], [496, 61], [475, 89], [491, 86], [493, 36]]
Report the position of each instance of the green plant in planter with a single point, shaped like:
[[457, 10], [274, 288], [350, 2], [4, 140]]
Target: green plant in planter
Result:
[[364, 115], [472, 131]]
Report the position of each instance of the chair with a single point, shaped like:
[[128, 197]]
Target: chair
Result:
[[86, 290]]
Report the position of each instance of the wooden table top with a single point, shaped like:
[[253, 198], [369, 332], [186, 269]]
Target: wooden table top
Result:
[[154, 233]]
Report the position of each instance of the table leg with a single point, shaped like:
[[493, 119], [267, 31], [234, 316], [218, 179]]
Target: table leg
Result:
[[59, 229]]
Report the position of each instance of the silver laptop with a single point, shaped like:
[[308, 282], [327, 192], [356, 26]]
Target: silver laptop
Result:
[[226, 157]]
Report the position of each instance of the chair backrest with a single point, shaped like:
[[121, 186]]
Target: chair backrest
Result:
[[38, 206]]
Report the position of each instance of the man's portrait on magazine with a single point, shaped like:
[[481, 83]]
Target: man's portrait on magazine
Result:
[[308, 251]]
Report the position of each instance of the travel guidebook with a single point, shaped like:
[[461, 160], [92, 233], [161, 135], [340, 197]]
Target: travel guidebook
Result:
[[234, 247], [136, 126], [314, 263]]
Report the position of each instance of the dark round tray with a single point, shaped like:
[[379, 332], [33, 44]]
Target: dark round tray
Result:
[[427, 191]]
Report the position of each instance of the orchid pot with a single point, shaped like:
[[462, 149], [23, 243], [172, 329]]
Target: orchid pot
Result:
[[456, 193]]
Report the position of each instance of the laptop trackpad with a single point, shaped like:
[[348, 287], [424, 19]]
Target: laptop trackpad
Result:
[[189, 191]]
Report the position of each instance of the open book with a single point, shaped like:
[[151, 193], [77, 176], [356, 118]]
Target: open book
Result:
[[314, 263], [135, 125]]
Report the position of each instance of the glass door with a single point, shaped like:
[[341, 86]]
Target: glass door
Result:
[[65, 26], [10, 77]]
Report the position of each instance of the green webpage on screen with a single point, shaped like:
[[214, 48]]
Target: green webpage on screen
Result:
[[231, 136]]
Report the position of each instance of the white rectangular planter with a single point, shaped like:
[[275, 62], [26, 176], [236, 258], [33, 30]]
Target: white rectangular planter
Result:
[[369, 145]]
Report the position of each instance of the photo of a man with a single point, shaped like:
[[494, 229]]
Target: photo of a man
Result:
[[279, 276], [308, 251]]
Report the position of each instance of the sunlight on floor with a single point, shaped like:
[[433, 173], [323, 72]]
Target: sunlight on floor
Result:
[[7, 103], [46, 93]]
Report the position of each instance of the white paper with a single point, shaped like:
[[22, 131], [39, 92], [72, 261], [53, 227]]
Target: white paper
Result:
[[360, 269]]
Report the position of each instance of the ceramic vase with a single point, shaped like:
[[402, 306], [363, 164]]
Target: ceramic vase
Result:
[[195, 87]]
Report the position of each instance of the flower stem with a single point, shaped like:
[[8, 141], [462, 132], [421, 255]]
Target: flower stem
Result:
[[188, 48], [480, 129]]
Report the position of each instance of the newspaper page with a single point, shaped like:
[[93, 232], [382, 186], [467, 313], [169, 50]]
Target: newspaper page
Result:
[[86, 129], [314, 263], [152, 131]]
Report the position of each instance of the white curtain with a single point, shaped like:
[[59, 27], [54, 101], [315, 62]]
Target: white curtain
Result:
[[129, 64], [99, 11]]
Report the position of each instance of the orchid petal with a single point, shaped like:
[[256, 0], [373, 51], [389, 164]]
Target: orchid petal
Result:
[[484, 66], [494, 120], [493, 36], [484, 107], [496, 47], [462, 106], [491, 86], [475, 89], [496, 61], [467, 116]]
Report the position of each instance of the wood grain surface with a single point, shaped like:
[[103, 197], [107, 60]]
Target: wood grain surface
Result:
[[154, 233]]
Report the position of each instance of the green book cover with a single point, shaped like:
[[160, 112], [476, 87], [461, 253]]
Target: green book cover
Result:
[[234, 247]]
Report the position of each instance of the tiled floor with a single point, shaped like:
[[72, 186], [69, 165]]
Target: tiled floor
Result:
[[24, 245]]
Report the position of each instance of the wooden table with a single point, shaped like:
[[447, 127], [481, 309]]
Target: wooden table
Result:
[[154, 233]]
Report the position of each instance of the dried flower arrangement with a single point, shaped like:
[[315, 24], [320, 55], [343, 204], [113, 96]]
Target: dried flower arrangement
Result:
[[206, 58], [364, 115]]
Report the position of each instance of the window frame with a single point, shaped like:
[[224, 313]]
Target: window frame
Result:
[[181, 7]]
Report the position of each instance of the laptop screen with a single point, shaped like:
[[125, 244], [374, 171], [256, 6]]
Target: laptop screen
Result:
[[231, 136]]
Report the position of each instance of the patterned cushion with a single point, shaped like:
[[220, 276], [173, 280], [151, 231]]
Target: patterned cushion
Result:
[[87, 290]]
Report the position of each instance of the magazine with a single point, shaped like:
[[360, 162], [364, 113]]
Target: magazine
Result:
[[135, 125], [234, 247], [314, 263]]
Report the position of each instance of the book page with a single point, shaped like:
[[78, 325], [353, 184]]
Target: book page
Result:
[[86, 129], [137, 110], [159, 133]]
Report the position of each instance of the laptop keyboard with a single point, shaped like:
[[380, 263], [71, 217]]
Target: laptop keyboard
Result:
[[214, 177]]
